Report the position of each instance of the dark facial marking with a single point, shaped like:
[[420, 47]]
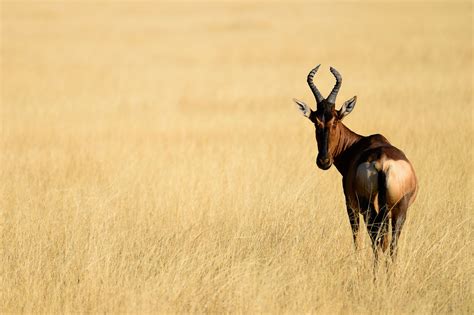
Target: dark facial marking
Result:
[[324, 120]]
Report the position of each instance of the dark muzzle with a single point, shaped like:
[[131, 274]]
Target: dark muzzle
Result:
[[323, 162]]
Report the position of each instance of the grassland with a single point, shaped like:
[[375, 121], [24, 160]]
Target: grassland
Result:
[[151, 159]]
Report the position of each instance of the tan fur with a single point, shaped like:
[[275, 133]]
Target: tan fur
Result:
[[366, 180], [400, 180]]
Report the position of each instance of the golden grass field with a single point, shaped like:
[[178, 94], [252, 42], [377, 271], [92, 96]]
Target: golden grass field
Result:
[[152, 159]]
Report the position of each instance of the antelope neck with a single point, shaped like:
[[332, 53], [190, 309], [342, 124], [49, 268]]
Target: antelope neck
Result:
[[346, 139]]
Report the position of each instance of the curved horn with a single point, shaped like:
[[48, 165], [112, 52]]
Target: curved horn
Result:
[[332, 97], [317, 95]]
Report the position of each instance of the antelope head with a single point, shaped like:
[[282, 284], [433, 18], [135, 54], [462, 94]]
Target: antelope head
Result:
[[326, 119]]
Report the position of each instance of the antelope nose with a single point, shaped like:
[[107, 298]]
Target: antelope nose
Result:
[[324, 160]]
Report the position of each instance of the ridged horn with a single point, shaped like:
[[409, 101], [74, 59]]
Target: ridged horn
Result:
[[317, 95], [332, 97]]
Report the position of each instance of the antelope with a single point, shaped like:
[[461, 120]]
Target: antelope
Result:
[[378, 180]]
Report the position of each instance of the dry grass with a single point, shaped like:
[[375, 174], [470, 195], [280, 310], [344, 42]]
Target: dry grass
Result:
[[152, 160]]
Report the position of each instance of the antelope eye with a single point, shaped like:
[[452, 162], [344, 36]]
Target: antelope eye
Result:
[[318, 124]]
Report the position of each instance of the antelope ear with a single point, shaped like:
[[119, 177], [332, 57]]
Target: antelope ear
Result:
[[304, 109], [347, 107]]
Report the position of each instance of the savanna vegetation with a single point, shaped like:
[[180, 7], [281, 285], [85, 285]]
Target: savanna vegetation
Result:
[[151, 158]]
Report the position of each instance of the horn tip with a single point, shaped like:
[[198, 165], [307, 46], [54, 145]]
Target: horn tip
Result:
[[335, 73]]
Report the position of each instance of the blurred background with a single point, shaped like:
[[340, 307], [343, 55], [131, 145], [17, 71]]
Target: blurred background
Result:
[[152, 159]]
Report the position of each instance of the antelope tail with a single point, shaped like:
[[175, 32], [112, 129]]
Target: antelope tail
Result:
[[382, 195]]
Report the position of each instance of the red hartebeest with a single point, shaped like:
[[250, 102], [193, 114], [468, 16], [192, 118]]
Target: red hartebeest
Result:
[[378, 180]]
